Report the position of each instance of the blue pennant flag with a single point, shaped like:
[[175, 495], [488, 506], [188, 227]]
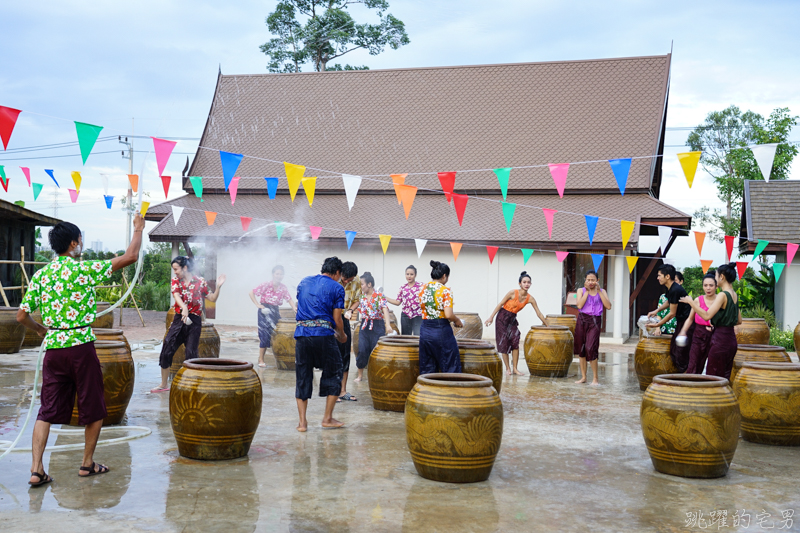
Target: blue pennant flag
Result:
[[621, 168], [591, 225], [350, 236], [109, 200], [230, 162], [596, 260], [50, 173], [272, 187]]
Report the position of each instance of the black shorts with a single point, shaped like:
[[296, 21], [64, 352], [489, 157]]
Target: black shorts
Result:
[[317, 352], [345, 348], [179, 333]]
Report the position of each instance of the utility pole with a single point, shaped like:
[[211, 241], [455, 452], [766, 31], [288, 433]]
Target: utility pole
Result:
[[129, 201], [54, 205]]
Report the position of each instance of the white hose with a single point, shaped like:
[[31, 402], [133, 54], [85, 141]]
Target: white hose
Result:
[[142, 432]]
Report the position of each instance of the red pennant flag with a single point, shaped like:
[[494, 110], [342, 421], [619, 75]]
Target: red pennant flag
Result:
[[448, 181], [8, 119], [5, 183], [741, 266], [211, 216], [492, 251], [706, 265], [246, 223], [456, 247], [460, 202], [729, 245], [165, 182]]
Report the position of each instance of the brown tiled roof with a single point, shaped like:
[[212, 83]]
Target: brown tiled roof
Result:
[[431, 218], [11, 211], [424, 120], [771, 212]]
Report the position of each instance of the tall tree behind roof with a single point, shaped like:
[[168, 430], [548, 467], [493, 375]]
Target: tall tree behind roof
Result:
[[327, 32]]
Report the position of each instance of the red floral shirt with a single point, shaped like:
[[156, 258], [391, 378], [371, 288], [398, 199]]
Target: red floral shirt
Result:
[[267, 294], [371, 308], [191, 292]]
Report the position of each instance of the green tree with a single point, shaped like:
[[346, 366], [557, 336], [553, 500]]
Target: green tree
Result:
[[327, 32], [723, 138]]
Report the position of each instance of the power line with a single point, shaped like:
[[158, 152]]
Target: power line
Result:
[[79, 155]]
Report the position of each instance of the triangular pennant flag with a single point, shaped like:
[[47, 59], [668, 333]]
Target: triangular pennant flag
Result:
[[87, 136], [37, 188], [621, 168], [73, 195], [163, 149], [272, 187], [689, 162], [349, 235], [4, 183], [246, 223], [3, 176], [76, 179], [420, 244], [176, 213], [8, 119], [398, 179], [503, 175], [741, 267], [230, 162], [104, 179], [351, 185], [233, 188], [294, 175], [631, 259], [309, 186], [699, 238], [134, 179], [706, 263], [460, 202], [508, 214], [777, 269], [315, 231], [765, 156], [456, 247], [492, 251], [406, 193], [448, 182], [760, 248], [27, 172], [591, 226], [561, 256], [165, 181], [626, 228], [211, 216], [385, 242], [143, 208], [548, 217], [279, 226], [559, 172], [596, 260], [197, 185], [50, 173], [729, 246], [791, 249], [109, 200], [526, 254]]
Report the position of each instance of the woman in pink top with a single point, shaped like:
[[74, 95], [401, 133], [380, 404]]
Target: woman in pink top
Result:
[[701, 338], [408, 300], [591, 301], [268, 297]]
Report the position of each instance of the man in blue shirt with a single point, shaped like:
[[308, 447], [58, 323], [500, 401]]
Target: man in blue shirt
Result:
[[320, 300]]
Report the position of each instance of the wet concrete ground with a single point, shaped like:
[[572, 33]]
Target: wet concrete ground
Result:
[[572, 459]]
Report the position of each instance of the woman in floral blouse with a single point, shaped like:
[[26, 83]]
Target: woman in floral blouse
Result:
[[438, 349], [189, 291], [268, 297], [408, 299], [374, 314]]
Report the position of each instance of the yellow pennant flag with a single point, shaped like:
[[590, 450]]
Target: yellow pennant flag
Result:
[[626, 227], [294, 175], [76, 177], [309, 185], [631, 259], [143, 208], [385, 242], [689, 162]]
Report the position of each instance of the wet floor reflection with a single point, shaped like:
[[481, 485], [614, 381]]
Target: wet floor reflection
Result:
[[432, 506]]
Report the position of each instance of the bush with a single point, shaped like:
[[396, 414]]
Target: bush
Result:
[[779, 337], [759, 311], [152, 296]]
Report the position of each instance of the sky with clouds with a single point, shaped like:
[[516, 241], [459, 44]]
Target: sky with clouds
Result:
[[156, 62]]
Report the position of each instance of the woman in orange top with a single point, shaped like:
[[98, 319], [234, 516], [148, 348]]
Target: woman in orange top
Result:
[[507, 328]]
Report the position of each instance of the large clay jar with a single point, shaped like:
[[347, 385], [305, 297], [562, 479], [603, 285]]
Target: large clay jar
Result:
[[283, 343], [797, 338], [454, 425], [393, 322], [481, 358], [652, 359], [690, 424], [207, 349], [769, 399], [118, 380], [215, 408], [752, 331], [563, 320], [170, 317], [473, 326], [356, 325], [288, 312], [548, 351], [32, 339], [12, 333], [758, 353], [107, 320], [111, 335], [392, 371]]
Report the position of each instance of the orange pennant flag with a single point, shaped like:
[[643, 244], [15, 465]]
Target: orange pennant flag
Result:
[[631, 259], [211, 216], [398, 179], [706, 265], [134, 179], [456, 247], [699, 237], [406, 193]]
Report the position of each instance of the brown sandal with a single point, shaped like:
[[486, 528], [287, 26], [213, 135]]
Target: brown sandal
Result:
[[101, 469], [43, 479]]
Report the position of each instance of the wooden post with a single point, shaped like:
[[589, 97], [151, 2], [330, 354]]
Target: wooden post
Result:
[[125, 287], [22, 267], [3, 294]]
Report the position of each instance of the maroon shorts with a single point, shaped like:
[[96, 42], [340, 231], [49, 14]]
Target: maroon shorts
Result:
[[65, 373]]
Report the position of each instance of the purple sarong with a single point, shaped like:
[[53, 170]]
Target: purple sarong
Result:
[[698, 353], [721, 352], [587, 336], [506, 331]]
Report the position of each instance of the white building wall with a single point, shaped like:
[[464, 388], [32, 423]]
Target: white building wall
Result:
[[787, 290]]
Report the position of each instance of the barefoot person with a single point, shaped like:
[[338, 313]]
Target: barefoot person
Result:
[[189, 291], [724, 314], [320, 300], [268, 297], [677, 309], [701, 336], [408, 300], [438, 349], [591, 301], [506, 329], [63, 291], [352, 296], [373, 312]]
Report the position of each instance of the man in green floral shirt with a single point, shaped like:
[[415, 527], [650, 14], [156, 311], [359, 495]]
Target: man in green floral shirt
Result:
[[63, 291]]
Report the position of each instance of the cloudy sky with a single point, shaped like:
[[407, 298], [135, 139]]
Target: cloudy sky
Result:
[[150, 67]]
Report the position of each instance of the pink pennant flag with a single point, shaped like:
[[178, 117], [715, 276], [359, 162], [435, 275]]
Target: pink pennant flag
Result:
[[729, 245], [246, 222], [73, 195], [791, 249], [163, 150], [561, 256], [492, 251], [315, 231], [548, 216], [232, 188], [27, 172], [559, 173]]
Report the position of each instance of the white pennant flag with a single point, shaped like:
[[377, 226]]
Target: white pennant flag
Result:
[[420, 245], [765, 156], [664, 233], [351, 185], [176, 213], [104, 177]]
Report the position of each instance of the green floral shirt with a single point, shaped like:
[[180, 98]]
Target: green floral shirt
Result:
[[667, 328], [64, 292]]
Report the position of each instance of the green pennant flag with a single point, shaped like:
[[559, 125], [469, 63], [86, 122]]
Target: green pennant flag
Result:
[[760, 247], [777, 269], [508, 214], [197, 185], [503, 174], [279, 229], [3, 173], [87, 136], [526, 253], [37, 188]]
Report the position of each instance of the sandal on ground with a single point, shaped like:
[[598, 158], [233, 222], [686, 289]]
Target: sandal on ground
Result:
[[158, 389], [348, 397], [101, 469], [43, 479], [262, 365]]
